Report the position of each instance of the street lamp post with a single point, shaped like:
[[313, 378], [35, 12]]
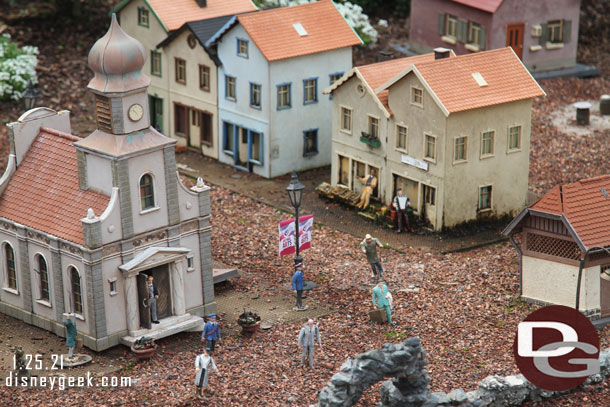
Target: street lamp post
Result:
[[29, 97], [295, 193]]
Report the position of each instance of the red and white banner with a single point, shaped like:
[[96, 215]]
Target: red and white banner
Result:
[[286, 229]]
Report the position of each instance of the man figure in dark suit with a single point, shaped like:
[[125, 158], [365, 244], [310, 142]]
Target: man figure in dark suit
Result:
[[153, 294]]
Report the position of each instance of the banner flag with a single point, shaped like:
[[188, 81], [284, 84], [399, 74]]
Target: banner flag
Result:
[[286, 231]]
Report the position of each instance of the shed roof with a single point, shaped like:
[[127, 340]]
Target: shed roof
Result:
[[44, 193], [274, 31], [486, 5]]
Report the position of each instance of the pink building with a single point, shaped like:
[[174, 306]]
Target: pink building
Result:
[[543, 33]]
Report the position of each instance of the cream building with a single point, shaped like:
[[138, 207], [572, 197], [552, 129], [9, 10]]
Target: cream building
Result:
[[183, 69], [452, 132], [565, 242], [84, 222]]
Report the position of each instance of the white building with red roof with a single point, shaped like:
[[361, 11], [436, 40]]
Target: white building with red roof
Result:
[[84, 222], [565, 247], [452, 131], [275, 63]]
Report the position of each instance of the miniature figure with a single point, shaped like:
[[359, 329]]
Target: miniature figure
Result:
[[211, 333], [307, 339], [297, 285], [153, 294], [382, 299], [369, 247], [370, 183], [204, 364], [70, 336], [401, 203]]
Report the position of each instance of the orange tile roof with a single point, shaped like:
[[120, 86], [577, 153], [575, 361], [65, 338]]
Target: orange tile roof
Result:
[[452, 81], [273, 33], [486, 5], [379, 73], [44, 193], [174, 13], [585, 207]]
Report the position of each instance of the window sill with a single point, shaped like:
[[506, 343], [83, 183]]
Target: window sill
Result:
[[113, 293], [79, 316], [310, 102], [149, 210], [10, 290], [535, 48], [430, 160], [255, 107], [448, 39], [255, 162], [310, 154], [402, 150], [228, 152], [554, 45], [460, 162], [45, 303], [207, 143], [284, 108], [188, 270], [158, 75], [230, 99], [472, 47], [204, 89], [181, 82], [345, 131], [514, 150], [420, 105], [486, 156], [245, 56], [484, 210]]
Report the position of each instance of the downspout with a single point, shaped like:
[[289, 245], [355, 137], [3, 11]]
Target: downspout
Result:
[[514, 243]]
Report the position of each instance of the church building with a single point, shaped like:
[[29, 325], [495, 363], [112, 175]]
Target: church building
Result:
[[84, 222]]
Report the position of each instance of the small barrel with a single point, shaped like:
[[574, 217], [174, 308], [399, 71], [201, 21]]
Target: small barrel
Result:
[[582, 113], [604, 105]]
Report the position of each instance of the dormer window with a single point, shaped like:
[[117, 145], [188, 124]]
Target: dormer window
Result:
[[147, 192]]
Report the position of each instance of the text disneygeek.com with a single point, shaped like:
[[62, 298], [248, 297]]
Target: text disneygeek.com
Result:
[[63, 382]]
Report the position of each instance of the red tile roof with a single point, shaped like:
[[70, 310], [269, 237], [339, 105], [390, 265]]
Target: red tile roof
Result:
[[585, 206], [486, 5], [174, 13], [379, 73], [275, 36], [44, 193], [452, 81]]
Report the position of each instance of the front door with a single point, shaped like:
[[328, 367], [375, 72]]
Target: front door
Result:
[[195, 129], [430, 204], [156, 113], [161, 279], [143, 305], [514, 38], [604, 294]]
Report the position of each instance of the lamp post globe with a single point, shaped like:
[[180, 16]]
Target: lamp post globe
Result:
[[29, 97]]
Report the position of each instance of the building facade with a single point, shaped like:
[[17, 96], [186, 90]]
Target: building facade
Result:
[[452, 132], [564, 247], [273, 117], [544, 34], [183, 99], [84, 222]]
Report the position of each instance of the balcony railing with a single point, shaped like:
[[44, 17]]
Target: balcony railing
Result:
[[369, 139]]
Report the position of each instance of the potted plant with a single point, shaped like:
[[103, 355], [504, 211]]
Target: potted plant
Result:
[[144, 347], [249, 321]]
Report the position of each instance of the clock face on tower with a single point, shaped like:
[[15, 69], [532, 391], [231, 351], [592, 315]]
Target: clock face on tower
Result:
[[135, 112]]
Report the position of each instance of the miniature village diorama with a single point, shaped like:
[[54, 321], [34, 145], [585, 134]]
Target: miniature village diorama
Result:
[[141, 234]]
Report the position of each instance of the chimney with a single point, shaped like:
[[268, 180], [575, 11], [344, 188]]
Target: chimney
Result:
[[441, 53], [201, 3], [385, 55]]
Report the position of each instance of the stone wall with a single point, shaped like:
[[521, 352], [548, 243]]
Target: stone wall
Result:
[[405, 362]]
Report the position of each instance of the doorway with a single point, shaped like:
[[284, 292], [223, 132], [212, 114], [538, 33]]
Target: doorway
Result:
[[430, 204], [200, 129], [162, 283], [514, 38], [156, 113]]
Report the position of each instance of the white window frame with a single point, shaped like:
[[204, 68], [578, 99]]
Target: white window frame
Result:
[[351, 120], [82, 295], [508, 147], [430, 159], [397, 135], [110, 282], [155, 206], [190, 259], [451, 18], [5, 286], [423, 194], [465, 159], [40, 300], [412, 96], [368, 126], [493, 141], [550, 25], [491, 198]]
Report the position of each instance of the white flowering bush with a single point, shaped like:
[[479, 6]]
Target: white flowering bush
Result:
[[352, 13], [17, 68]]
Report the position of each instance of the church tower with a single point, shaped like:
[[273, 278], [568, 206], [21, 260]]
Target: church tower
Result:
[[125, 152]]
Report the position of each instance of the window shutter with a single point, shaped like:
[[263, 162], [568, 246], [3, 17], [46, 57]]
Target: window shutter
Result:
[[462, 30], [441, 24], [543, 34], [567, 30], [482, 37]]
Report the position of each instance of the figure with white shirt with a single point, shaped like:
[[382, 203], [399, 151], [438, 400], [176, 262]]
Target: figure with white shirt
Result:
[[401, 203]]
